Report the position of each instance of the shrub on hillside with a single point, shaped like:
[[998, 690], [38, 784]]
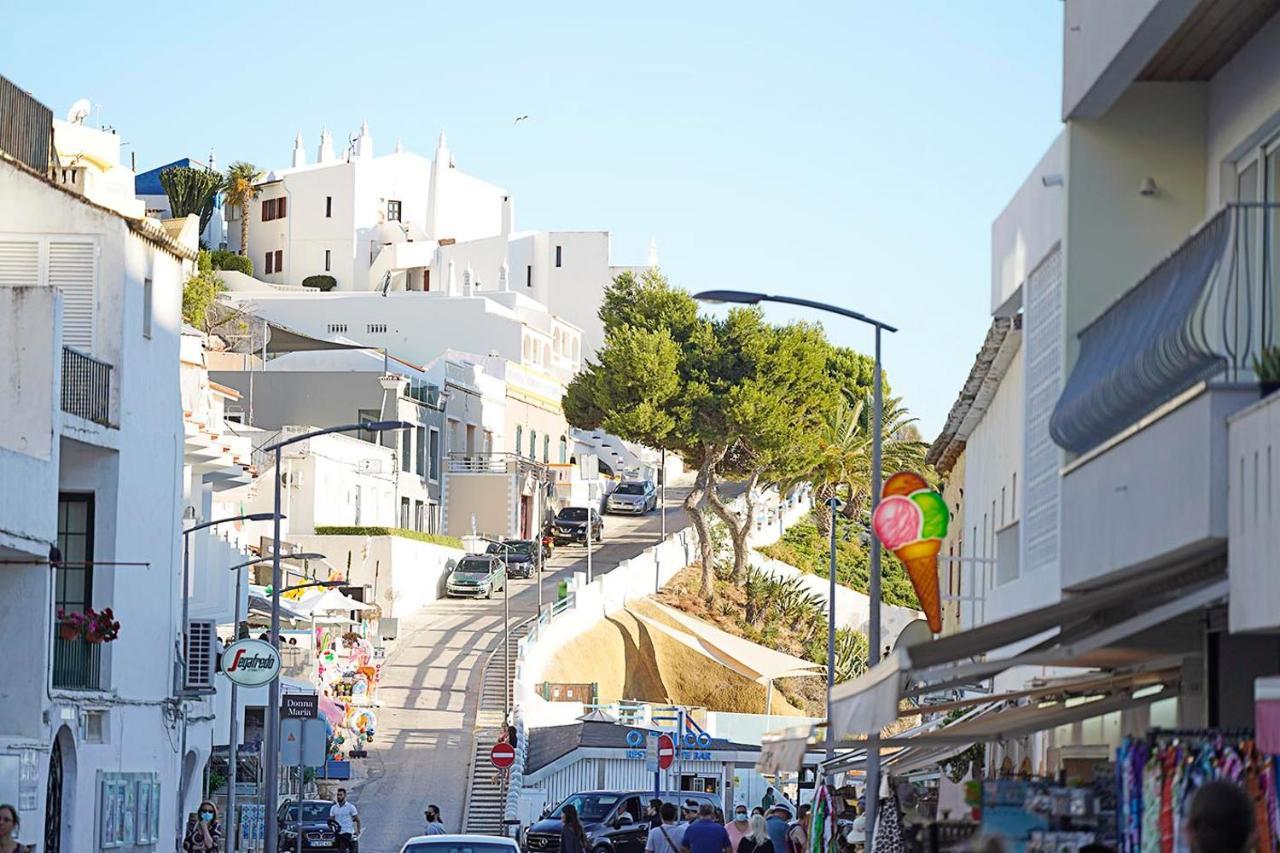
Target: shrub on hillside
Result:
[[221, 259], [434, 539], [323, 283], [801, 546]]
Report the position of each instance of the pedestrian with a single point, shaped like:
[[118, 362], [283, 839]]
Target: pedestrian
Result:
[[777, 825], [573, 838], [767, 801], [347, 820], [757, 810], [756, 839], [738, 827], [688, 812], [204, 834], [9, 830], [435, 826], [798, 832], [1221, 819], [655, 813], [667, 836], [706, 834]]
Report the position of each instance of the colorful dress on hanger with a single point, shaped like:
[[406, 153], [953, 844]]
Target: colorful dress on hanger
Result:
[[1152, 784]]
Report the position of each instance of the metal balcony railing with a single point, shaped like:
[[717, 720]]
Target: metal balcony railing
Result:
[[491, 463], [77, 664], [1207, 312], [86, 387]]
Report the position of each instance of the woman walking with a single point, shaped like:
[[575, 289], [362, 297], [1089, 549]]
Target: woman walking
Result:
[[204, 833], [9, 831], [573, 838], [756, 839]]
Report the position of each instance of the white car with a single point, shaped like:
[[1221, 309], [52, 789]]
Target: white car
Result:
[[460, 844]]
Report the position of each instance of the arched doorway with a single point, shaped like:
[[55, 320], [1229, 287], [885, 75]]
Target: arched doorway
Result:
[[53, 800]]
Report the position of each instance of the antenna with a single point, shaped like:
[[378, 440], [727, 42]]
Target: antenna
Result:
[[79, 111]]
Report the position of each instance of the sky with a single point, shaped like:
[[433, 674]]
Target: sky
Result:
[[851, 152]]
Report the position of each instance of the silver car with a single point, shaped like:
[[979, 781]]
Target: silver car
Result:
[[632, 496]]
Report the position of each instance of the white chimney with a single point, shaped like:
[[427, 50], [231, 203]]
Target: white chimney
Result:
[[503, 275], [364, 142], [508, 214], [325, 155], [299, 153]]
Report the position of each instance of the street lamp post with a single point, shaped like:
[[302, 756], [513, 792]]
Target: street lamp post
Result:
[[180, 689], [873, 628], [271, 740], [233, 734], [506, 622]]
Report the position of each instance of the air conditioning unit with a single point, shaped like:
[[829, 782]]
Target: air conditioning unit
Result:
[[201, 654], [93, 726]]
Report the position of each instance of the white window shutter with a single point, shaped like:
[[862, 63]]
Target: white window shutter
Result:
[[19, 263], [73, 270]]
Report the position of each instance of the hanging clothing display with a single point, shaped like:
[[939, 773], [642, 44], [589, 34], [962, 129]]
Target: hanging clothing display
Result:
[[1157, 778]]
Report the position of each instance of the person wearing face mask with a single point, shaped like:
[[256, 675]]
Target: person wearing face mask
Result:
[[9, 831], [737, 827], [204, 835]]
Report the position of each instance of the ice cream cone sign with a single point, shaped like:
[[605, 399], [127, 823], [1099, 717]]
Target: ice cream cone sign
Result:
[[911, 521]]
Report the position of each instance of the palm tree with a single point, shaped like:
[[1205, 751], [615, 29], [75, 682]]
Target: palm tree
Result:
[[241, 188], [901, 449]]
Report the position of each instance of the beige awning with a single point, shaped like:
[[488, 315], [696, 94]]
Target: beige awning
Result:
[[751, 660], [1089, 631], [783, 751]]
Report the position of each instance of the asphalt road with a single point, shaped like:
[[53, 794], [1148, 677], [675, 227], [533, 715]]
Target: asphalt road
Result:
[[431, 685]]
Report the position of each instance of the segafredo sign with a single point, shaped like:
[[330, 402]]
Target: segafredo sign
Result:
[[251, 662]]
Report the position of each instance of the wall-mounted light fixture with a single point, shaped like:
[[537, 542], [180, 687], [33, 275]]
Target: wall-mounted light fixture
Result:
[[1054, 180], [1148, 187]]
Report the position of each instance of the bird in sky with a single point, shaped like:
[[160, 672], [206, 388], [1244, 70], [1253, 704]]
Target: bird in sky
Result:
[[519, 119]]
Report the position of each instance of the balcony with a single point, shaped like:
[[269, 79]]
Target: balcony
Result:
[[77, 664], [491, 463], [1204, 314], [86, 387]]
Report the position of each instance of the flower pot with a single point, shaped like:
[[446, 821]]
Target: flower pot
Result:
[[93, 637], [67, 632]]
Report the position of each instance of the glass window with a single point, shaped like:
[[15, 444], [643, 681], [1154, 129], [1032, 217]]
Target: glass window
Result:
[[365, 416], [519, 439], [533, 444], [559, 255], [592, 808], [393, 210], [420, 447], [546, 448], [406, 451], [74, 582], [433, 457], [564, 450]]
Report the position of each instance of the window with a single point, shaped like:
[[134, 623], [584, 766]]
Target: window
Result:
[[404, 513], [564, 450], [420, 447], [533, 444], [280, 207], [279, 260], [364, 416], [271, 256], [1007, 568], [419, 517], [433, 456], [426, 280], [147, 291], [76, 664], [328, 207], [519, 438], [273, 208], [337, 328], [558, 255], [375, 328], [546, 448], [328, 259], [406, 451], [528, 276], [393, 210]]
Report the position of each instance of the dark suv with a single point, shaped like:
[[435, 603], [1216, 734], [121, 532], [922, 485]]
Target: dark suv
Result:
[[570, 525], [614, 820]]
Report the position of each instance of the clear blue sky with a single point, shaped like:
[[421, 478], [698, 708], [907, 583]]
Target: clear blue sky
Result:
[[854, 152]]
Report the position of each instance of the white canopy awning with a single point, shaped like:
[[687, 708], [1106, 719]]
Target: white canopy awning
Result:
[[751, 660], [329, 601]]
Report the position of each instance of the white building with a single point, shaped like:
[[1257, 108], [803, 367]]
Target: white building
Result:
[[91, 427], [401, 222]]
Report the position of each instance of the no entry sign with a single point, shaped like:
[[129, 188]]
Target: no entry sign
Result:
[[502, 755], [666, 751]]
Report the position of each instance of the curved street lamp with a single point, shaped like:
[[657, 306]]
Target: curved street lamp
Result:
[[743, 297]]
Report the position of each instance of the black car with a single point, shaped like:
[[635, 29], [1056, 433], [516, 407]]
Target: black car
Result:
[[570, 525], [317, 834], [614, 820], [519, 554]]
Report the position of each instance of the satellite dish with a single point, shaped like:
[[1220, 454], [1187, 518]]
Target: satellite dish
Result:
[[79, 111]]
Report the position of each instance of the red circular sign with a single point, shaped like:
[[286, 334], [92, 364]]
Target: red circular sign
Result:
[[666, 751], [502, 755]]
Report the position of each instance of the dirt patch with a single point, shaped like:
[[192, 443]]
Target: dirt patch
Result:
[[629, 661]]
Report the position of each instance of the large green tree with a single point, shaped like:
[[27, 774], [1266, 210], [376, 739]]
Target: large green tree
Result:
[[191, 190], [241, 189]]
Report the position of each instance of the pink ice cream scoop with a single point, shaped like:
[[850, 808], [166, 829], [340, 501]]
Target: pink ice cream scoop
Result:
[[897, 521]]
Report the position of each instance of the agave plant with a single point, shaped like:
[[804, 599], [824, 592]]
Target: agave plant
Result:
[[1267, 365]]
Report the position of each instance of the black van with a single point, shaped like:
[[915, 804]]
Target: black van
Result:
[[614, 820]]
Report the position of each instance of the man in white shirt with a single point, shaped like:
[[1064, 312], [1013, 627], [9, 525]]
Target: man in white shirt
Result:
[[347, 821], [668, 836]]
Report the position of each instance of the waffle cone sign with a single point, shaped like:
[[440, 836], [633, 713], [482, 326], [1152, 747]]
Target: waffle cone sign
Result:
[[911, 521]]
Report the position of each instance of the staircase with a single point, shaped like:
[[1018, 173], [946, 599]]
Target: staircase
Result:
[[486, 789]]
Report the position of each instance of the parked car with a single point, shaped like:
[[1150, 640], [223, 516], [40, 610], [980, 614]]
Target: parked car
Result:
[[317, 834], [477, 576], [614, 820], [570, 525], [633, 496], [459, 844], [518, 554]]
